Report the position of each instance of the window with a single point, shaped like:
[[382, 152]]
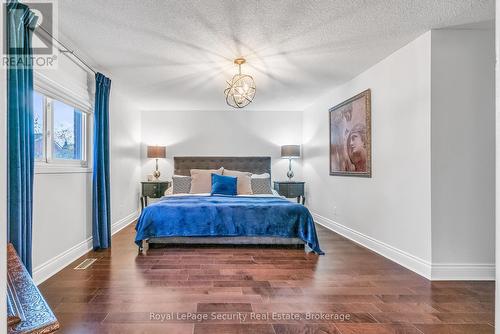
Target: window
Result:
[[60, 132], [67, 132]]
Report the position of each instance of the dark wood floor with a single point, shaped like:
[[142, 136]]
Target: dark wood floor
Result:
[[362, 291]]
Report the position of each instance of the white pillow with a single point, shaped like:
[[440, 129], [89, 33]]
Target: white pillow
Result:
[[169, 191], [261, 176]]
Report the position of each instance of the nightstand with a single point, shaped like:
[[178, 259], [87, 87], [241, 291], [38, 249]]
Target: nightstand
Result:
[[291, 189], [152, 189]]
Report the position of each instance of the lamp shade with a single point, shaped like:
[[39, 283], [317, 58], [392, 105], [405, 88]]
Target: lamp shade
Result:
[[290, 151], [157, 152]]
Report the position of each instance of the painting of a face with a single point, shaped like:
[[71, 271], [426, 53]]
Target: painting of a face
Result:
[[350, 137], [355, 143]]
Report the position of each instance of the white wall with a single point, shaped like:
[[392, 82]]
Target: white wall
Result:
[[429, 204], [463, 147], [125, 169], [221, 133], [389, 212], [63, 198], [61, 209], [61, 195]]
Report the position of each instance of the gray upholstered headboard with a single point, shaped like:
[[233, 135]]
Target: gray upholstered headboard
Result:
[[255, 165]]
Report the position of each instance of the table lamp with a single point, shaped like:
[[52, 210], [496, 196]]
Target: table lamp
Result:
[[290, 152], [157, 152]]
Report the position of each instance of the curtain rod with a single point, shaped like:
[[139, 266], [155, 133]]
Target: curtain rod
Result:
[[68, 50]]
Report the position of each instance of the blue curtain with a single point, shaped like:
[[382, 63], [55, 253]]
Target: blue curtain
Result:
[[101, 221], [20, 129]]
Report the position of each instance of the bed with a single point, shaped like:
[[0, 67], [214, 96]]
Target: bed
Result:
[[233, 220]]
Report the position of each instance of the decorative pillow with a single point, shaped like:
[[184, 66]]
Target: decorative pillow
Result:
[[244, 181], [181, 184], [224, 185], [261, 176], [261, 185], [169, 191], [201, 180]]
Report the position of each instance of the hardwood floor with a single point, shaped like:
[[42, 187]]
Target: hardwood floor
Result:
[[360, 291]]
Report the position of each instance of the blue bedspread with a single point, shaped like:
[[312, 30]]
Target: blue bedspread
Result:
[[222, 216]]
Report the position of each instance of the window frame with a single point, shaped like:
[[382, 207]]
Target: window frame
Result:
[[48, 160], [44, 130]]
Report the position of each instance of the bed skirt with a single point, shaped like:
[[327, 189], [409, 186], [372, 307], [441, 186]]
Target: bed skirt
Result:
[[227, 240], [233, 241]]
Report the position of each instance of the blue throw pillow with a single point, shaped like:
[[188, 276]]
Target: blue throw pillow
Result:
[[224, 185]]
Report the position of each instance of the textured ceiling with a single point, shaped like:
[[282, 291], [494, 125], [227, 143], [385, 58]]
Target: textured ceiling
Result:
[[177, 55]]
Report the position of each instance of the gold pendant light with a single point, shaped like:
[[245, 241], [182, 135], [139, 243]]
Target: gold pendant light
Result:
[[241, 88]]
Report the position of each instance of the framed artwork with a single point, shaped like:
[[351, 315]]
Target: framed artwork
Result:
[[350, 137]]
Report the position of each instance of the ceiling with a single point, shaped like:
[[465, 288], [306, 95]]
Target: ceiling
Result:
[[177, 55]]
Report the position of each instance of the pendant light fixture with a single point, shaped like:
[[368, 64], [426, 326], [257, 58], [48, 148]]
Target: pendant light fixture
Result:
[[241, 88]]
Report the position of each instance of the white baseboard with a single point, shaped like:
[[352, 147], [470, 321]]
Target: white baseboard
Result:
[[435, 272], [463, 272], [124, 222], [403, 258], [54, 265]]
